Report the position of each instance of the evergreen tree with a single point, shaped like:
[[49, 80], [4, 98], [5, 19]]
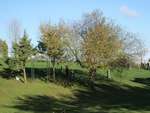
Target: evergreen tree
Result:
[[22, 51], [4, 50], [3, 54]]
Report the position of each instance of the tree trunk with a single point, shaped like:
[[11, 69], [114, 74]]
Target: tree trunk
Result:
[[67, 75], [54, 72], [24, 75], [141, 63], [92, 73], [33, 71], [108, 74], [54, 78], [48, 69]]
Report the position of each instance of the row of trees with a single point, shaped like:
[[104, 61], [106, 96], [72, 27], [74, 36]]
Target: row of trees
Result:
[[94, 42]]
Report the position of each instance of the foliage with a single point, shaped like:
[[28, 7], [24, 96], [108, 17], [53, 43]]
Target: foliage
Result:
[[15, 59], [101, 42], [51, 37], [41, 47], [22, 51], [3, 54], [11, 62], [3, 49], [52, 40], [25, 49], [122, 61]]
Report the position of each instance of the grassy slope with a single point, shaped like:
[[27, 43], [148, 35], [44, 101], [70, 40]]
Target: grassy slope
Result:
[[120, 96], [10, 90]]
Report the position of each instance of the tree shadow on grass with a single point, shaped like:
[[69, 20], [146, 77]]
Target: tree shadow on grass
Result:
[[75, 75], [41, 104], [8, 73], [44, 104], [104, 98], [145, 81]]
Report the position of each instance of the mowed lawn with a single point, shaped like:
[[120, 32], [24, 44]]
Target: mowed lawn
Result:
[[12, 91], [129, 94]]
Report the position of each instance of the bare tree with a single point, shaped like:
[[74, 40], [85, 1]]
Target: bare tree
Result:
[[72, 42], [133, 46], [14, 30]]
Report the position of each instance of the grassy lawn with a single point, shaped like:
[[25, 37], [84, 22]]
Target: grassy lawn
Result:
[[11, 91], [128, 94]]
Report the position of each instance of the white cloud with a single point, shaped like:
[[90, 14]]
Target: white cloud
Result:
[[128, 12]]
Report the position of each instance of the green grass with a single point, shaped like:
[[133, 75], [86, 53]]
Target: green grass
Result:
[[128, 94], [10, 90], [126, 74]]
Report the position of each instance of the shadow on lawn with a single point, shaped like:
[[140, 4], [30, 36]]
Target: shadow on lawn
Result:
[[76, 76], [145, 81], [104, 98], [8, 73]]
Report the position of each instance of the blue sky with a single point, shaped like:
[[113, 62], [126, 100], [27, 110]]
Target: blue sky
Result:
[[132, 15]]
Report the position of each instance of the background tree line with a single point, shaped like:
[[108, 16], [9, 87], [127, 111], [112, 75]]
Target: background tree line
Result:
[[95, 42]]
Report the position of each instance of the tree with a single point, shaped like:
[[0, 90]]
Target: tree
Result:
[[14, 30], [101, 43], [3, 49], [72, 42], [51, 37], [15, 51], [133, 46], [41, 47], [120, 63], [22, 51], [3, 54]]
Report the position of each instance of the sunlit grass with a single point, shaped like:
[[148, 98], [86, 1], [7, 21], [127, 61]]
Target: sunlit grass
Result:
[[65, 97]]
